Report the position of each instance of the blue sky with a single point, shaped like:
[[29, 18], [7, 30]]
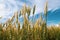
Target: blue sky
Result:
[[8, 7]]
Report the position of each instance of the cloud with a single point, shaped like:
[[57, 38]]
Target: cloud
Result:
[[53, 3], [8, 7], [39, 5]]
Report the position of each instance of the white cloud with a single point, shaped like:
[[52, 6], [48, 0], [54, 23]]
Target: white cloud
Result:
[[2, 6], [57, 25], [39, 5], [8, 7], [52, 4]]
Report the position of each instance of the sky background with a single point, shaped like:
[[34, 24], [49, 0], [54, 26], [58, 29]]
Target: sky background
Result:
[[8, 7]]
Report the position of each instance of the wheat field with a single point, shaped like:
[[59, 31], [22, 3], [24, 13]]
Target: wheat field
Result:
[[11, 30]]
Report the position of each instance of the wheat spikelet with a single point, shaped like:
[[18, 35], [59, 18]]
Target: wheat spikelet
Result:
[[28, 10], [34, 9], [45, 8]]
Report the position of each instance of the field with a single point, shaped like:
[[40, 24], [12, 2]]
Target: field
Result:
[[11, 30]]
